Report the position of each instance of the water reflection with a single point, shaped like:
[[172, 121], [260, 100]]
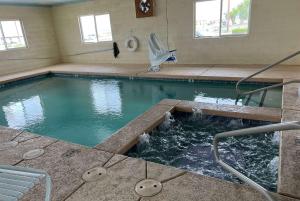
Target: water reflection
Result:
[[106, 97], [221, 101], [24, 113]]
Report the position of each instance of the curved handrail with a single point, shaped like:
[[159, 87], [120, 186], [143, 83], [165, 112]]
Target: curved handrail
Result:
[[251, 131], [270, 87], [263, 70]]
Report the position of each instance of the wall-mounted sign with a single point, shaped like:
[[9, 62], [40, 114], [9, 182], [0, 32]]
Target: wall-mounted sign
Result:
[[144, 8]]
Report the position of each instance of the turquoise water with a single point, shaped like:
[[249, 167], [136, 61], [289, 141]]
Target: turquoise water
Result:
[[187, 143], [87, 110]]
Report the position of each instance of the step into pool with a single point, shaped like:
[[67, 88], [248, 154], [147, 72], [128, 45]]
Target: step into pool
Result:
[[87, 110], [185, 142]]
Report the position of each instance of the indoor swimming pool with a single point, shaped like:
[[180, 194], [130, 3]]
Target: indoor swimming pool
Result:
[[87, 110]]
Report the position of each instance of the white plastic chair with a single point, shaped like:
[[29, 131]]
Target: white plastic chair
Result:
[[15, 182]]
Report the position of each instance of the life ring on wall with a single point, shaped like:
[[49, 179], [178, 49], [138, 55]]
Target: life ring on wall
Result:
[[132, 44]]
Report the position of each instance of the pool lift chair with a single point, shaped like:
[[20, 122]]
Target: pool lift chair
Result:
[[158, 53], [15, 182]]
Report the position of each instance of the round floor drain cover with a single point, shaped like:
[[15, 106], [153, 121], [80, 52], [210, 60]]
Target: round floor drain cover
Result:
[[94, 174], [148, 187], [7, 145], [32, 154]]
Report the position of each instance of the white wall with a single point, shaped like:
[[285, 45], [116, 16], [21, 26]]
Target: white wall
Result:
[[38, 25], [274, 33]]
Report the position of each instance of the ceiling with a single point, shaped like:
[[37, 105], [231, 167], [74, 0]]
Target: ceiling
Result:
[[37, 2]]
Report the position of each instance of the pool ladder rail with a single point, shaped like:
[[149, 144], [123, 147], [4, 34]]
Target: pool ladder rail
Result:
[[294, 125], [263, 90], [15, 182]]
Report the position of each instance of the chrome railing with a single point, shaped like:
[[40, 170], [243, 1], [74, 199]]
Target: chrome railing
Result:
[[251, 131], [240, 93]]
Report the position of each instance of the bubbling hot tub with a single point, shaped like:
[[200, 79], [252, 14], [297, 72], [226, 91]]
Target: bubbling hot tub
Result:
[[184, 140]]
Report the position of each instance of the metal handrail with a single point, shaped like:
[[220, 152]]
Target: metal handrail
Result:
[[251, 131], [263, 70]]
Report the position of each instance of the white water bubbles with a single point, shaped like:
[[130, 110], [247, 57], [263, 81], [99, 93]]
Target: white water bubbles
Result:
[[144, 139], [276, 138], [273, 165], [236, 123], [197, 114], [169, 119]]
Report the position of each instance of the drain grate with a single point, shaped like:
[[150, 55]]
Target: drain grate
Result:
[[8, 145], [94, 174], [32, 154], [148, 187]]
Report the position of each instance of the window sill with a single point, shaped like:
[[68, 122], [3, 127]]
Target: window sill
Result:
[[14, 49], [95, 43], [221, 37]]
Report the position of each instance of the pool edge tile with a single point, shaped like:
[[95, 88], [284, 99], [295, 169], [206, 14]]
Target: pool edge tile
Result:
[[289, 165], [121, 141], [244, 112]]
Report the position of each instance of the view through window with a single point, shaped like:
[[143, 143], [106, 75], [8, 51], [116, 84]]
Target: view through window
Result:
[[11, 35], [215, 18], [95, 28]]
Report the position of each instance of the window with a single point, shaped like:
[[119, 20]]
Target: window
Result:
[[216, 18], [95, 28], [11, 35]]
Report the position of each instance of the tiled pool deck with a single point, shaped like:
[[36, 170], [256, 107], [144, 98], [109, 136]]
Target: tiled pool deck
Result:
[[66, 163]]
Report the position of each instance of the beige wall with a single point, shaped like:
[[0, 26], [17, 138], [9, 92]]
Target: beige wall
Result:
[[274, 33], [38, 25], [123, 20]]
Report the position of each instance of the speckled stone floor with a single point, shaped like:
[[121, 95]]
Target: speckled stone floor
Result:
[[66, 163]]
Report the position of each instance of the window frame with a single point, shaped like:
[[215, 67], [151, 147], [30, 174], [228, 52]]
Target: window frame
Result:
[[95, 24], [23, 32], [220, 26]]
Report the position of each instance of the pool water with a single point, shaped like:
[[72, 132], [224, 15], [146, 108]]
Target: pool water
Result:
[[186, 143], [87, 110]]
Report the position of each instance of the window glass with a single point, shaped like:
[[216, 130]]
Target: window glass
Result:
[[235, 16], [214, 18], [103, 27], [13, 34], [88, 29], [208, 18], [2, 45]]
